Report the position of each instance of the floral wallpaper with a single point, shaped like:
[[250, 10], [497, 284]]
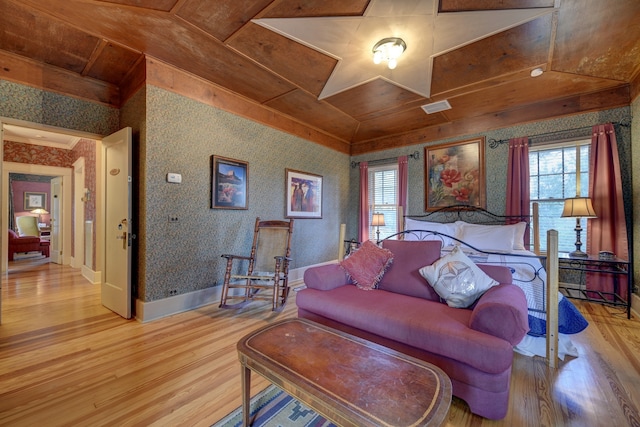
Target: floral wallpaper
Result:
[[19, 152]]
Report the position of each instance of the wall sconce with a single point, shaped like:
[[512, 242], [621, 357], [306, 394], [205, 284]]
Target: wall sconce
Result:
[[389, 50], [378, 221], [578, 207]]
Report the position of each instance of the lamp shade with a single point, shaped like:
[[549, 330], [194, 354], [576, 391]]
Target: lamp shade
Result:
[[377, 220], [40, 211], [578, 207]]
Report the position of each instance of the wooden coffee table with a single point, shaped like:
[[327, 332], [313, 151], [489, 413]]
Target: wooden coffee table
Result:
[[348, 380]]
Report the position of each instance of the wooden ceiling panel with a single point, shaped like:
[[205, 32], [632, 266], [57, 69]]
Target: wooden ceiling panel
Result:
[[165, 5], [551, 85], [113, 63], [460, 5], [36, 36], [306, 67], [221, 18], [598, 38], [96, 49], [306, 108], [373, 99], [405, 121], [169, 39], [525, 46], [297, 8]]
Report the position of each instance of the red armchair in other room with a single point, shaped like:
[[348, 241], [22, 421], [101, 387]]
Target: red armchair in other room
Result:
[[26, 244]]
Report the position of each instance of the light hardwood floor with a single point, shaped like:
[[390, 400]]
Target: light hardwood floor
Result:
[[66, 360]]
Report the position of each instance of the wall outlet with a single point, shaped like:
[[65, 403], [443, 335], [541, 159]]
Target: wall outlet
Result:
[[173, 292], [173, 218], [175, 178]]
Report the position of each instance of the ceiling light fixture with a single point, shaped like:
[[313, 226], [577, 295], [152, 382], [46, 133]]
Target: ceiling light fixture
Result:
[[389, 50], [537, 72]]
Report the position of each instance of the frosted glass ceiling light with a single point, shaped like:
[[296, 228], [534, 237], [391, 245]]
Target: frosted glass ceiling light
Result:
[[388, 50]]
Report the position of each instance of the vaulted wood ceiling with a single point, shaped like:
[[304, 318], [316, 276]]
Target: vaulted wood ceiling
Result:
[[589, 49]]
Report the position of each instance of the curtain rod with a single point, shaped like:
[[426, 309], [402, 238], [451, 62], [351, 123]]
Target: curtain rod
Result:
[[572, 133], [415, 155]]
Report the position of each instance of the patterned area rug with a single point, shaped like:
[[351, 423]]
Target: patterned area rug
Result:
[[272, 407]]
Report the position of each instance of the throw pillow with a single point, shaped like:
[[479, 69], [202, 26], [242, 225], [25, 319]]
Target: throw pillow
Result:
[[367, 265], [457, 279]]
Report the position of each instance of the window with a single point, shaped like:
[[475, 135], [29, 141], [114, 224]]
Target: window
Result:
[[559, 171], [383, 198]]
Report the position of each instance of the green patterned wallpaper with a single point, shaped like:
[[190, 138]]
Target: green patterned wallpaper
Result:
[[635, 163], [38, 106], [180, 136], [496, 159]]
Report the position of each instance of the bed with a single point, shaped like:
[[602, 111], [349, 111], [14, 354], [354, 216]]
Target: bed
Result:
[[488, 238]]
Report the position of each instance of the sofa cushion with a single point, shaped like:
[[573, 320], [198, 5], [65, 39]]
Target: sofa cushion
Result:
[[457, 279], [403, 277], [428, 325], [493, 315], [367, 265]]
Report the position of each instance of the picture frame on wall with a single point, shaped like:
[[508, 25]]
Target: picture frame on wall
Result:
[[33, 200], [229, 183], [303, 194], [454, 174]]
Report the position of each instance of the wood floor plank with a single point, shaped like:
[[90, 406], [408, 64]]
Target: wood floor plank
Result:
[[67, 360]]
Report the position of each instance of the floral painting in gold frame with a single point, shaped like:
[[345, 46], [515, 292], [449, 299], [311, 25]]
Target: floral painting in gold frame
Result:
[[454, 174]]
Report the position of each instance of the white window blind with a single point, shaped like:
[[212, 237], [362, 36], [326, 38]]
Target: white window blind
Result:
[[383, 198], [557, 172]]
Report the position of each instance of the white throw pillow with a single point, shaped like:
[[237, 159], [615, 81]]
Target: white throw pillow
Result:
[[457, 279], [518, 235], [447, 228], [487, 237]]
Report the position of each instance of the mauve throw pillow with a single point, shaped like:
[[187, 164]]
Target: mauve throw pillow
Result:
[[367, 265]]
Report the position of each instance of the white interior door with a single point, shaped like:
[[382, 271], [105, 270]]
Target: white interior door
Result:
[[116, 285], [55, 246]]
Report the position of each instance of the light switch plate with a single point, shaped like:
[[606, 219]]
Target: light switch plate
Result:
[[174, 177]]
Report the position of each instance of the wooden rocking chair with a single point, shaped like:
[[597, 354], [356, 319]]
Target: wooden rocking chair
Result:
[[267, 269]]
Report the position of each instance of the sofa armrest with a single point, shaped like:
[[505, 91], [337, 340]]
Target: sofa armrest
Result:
[[502, 312], [326, 277], [500, 273]]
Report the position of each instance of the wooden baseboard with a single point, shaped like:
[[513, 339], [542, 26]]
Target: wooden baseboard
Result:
[[153, 310]]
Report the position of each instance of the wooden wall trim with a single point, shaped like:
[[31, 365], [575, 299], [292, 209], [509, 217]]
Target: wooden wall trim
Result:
[[635, 87], [613, 98], [25, 71], [167, 77]]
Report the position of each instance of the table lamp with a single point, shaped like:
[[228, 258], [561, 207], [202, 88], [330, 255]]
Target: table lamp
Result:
[[378, 220], [40, 212], [578, 207]]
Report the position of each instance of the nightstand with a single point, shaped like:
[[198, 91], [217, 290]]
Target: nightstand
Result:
[[578, 267]]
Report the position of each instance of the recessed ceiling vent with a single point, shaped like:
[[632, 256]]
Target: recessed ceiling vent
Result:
[[435, 107]]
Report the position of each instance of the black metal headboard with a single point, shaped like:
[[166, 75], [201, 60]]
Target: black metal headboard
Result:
[[471, 214]]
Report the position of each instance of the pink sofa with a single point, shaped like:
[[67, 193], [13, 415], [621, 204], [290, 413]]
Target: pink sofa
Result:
[[473, 346], [19, 244]]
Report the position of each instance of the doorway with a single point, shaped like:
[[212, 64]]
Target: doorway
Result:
[[20, 132]]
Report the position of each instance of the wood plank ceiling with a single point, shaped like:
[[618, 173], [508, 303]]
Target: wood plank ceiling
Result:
[[589, 50]]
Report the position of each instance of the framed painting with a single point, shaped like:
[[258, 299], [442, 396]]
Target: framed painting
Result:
[[304, 194], [229, 183], [454, 174], [34, 201]]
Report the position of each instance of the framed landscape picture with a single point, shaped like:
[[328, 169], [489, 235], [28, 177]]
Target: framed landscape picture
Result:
[[34, 201], [454, 174], [303, 194], [229, 183]]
